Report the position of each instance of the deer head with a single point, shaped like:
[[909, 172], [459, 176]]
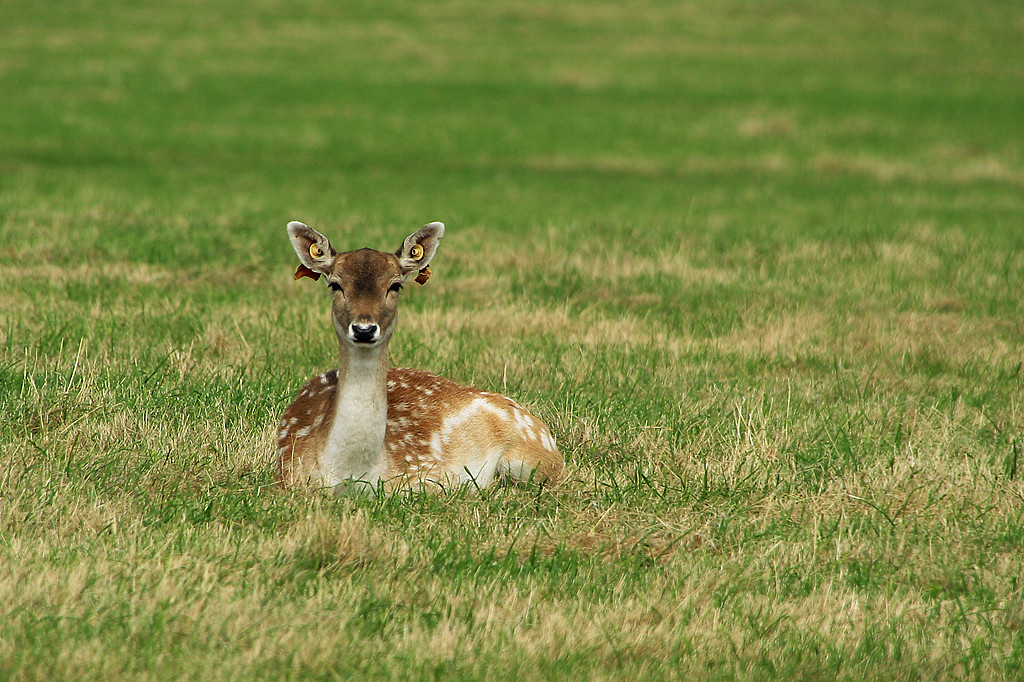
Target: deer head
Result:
[[365, 284]]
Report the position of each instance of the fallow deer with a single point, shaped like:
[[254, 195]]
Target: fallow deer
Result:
[[365, 425]]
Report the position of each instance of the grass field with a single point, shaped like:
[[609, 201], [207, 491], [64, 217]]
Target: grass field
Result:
[[760, 266]]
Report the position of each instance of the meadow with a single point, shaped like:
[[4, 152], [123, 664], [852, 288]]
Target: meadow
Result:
[[760, 267]]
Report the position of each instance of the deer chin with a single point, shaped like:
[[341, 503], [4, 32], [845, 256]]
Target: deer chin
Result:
[[370, 344]]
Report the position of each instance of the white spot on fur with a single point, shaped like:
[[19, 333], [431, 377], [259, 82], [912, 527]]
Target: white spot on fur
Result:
[[521, 420]]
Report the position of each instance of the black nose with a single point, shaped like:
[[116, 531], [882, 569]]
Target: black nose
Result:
[[364, 333]]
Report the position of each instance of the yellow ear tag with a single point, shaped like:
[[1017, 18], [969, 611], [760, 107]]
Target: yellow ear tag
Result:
[[423, 276], [315, 251], [416, 252]]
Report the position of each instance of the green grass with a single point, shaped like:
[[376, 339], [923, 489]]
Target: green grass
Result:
[[760, 266]]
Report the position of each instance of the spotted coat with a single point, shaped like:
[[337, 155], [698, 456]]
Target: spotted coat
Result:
[[437, 432]]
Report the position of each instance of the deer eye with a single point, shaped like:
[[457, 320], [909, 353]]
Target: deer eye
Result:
[[334, 286], [396, 287]]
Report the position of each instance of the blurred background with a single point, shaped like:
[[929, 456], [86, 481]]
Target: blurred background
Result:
[[635, 121]]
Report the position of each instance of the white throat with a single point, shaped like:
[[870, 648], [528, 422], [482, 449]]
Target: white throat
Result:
[[355, 444]]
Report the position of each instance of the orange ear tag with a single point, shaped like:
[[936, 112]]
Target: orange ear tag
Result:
[[303, 271], [423, 276]]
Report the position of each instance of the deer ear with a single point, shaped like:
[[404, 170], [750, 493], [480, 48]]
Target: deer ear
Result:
[[314, 250], [419, 247]]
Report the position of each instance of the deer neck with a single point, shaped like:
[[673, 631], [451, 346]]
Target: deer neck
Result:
[[355, 444]]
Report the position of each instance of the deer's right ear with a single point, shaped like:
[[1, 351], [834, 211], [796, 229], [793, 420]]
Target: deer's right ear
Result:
[[419, 248], [314, 250]]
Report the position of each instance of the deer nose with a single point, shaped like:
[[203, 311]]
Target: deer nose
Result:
[[363, 333]]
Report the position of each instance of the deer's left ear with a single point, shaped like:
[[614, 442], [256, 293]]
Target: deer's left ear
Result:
[[419, 248], [315, 252]]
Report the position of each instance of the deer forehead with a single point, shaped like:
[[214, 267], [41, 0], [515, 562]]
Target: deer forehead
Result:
[[366, 271]]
